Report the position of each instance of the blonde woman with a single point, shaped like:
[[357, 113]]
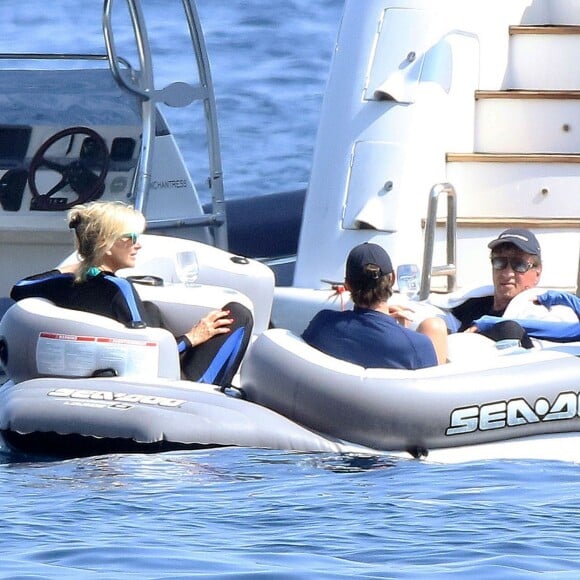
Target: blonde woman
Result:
[[107, 240]]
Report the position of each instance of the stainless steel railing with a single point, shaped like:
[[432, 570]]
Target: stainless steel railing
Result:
[[449, 269], [177, 94]]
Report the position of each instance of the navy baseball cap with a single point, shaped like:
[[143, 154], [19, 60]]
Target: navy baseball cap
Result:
[[523, 239], [363, 255]]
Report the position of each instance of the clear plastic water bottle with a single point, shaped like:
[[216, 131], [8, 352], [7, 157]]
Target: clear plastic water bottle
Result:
[[409, 280]]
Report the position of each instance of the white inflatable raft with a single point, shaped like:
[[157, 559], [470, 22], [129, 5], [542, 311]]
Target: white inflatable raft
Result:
[[485, 394], [52, 405]]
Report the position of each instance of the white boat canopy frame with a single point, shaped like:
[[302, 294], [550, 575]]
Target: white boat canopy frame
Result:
[[140, 83], [177, 94]]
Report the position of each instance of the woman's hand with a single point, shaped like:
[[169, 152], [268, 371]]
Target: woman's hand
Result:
[[216, 322]]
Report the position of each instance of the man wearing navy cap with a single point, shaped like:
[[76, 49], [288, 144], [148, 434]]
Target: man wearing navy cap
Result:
[[373, 334], [516, 262]]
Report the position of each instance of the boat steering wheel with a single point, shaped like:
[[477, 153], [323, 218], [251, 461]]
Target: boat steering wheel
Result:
[[84, 175]]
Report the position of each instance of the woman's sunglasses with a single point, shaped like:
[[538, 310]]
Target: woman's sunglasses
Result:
[[132, 236], [518, 265]]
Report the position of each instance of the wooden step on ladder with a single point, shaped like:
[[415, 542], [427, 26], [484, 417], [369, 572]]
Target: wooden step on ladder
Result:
[[524, 170]]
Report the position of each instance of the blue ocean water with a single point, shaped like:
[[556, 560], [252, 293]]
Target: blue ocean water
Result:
[[236, 513]]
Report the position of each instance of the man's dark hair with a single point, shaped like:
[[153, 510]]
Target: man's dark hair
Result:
[[368, 291]]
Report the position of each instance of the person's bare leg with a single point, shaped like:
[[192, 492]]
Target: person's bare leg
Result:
[[436, 329]]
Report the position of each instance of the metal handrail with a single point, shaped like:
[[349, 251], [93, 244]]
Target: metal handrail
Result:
[[59, 56], [142, 177], [216, 174], [145, 62], [178, 94], [449, 269]]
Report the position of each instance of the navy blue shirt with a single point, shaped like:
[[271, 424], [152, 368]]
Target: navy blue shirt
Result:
[[370, 339]]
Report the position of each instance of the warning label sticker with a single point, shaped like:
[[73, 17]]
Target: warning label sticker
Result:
[[71, 355]]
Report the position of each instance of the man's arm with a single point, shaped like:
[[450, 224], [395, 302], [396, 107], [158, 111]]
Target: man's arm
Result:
[[555, 331], [559, 298]]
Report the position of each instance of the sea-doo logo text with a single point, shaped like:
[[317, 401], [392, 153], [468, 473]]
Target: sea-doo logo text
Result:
[[514, 413], [111, 397]]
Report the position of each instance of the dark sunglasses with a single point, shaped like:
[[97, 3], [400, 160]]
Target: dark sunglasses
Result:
[[518, 265], [131, 236]]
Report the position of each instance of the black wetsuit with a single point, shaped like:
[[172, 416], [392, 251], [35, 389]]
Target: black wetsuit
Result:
[[474, 308], [215, 360]]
